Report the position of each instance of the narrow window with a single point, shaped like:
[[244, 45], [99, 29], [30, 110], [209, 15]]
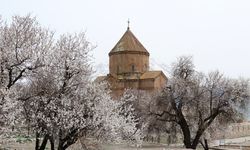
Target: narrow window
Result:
[[133, 68], [145, 67]]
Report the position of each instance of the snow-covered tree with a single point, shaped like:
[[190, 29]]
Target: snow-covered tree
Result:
[[63, 104], [95, 114], [144, 108], [23, 43], [46, 85], [195, 102]]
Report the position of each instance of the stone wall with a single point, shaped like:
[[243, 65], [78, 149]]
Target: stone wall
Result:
[[235, 130], [238, 130]]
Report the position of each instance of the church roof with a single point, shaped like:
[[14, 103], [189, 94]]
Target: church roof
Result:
[[129, 44], [144, 76], [152, 75]]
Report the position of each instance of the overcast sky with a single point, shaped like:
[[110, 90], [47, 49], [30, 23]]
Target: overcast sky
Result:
[[215, 32]]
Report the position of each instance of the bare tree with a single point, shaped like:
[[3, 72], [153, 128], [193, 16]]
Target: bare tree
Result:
[[195, 101]]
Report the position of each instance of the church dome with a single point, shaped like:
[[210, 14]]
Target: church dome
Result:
[[128, 44]]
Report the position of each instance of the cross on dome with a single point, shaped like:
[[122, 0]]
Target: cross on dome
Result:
[[128, 24]]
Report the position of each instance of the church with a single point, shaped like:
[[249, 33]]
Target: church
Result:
[[129, 67]]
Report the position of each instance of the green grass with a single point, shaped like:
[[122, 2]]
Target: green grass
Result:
[[23, 139]]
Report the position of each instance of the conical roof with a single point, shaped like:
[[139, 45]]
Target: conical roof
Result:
[[128, 44]]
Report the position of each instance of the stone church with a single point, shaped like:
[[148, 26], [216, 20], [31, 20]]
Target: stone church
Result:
[[129, 67]]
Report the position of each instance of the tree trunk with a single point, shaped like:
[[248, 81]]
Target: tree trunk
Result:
[[197, 138], [60, 142], [186, 133], [37, 141], [204, 145], [182, 123], [201, 130], [44, 143], [52, 143], [60, 146]]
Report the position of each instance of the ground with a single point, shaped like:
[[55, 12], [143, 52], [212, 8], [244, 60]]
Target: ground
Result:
[[22, 143], [29, 145]]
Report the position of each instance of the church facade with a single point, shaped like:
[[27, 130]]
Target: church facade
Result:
[[129, 67]]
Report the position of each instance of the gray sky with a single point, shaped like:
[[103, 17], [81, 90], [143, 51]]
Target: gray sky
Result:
[[215, 32]]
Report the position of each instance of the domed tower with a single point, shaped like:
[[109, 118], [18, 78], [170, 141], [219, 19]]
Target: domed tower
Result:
[[128, 57]]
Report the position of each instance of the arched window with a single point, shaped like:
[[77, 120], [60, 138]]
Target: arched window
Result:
[[133, 68]]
